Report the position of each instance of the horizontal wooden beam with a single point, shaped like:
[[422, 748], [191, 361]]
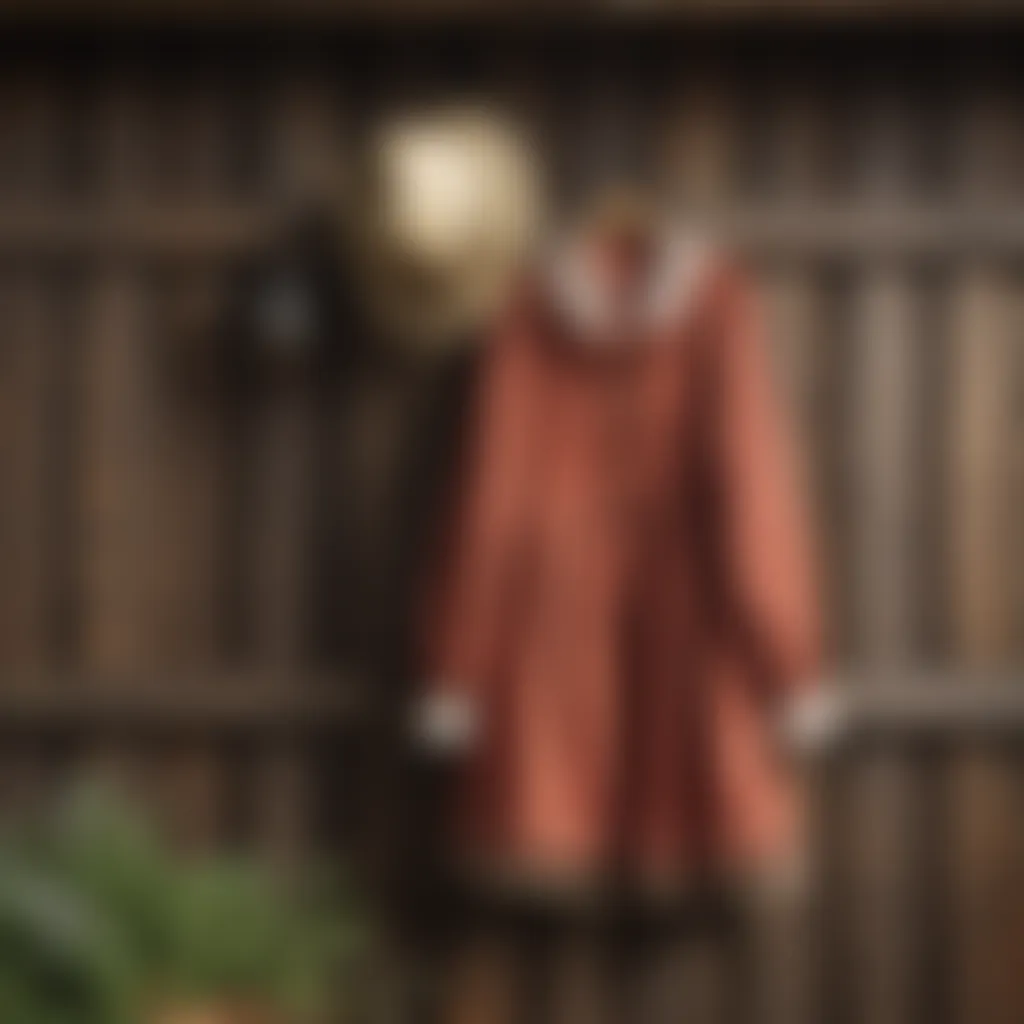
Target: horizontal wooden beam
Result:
[[394, 13], [159, 230], [857, 229], [252, 702], [900, 707], [904, 710], [214, 231]]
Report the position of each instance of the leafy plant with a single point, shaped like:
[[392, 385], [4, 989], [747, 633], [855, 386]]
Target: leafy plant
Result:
[[102, 923]]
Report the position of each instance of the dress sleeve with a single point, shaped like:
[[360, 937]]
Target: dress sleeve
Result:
[[764, 543], [467, 592]]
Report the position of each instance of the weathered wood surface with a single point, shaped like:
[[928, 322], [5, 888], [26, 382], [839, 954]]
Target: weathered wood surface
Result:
[[204, 540]]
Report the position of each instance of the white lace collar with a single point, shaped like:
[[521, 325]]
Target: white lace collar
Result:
[[677, 269]]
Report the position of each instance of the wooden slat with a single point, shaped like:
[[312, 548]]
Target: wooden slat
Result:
[[29, 424], [32, 133], [280, 460], [677, 976], [982, 521], [881, 465], [795, 138], [302, 128], [35, 423], [150, 471], [702, 142], [117, 474], [120, 424], [982, 515], [882, 424], [37, 407], [194, 774], [985, 363]]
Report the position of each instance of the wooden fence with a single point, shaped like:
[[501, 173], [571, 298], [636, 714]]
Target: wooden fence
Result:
[[204, 546]]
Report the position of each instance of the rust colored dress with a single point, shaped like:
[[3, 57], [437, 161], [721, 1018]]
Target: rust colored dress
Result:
[[626, 592]]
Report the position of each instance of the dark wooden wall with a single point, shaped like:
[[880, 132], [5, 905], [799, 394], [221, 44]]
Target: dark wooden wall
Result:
[[204, 544]]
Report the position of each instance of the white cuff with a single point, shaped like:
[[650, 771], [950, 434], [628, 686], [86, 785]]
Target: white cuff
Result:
[[446, 722], [813, 720]]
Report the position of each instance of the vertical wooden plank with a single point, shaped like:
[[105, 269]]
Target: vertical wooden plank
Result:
[[886, 361], [793, 111], [32, 132], [1013, 933], [703, 145], [303, 128], [117, 422], [304, 137], [188, 570], [884, 466], [933, 853], [519, 84], [280, 515], [579, 972], [834, 982], [685, 976], [985, 363], [981, 377], [34, 401], [186, 146], [986, 143], [117, 464], [36, 418], [117, 468], [881, 465], [194, 446], [149, 452], [982, 525], [1004, 109], [28, 378]]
